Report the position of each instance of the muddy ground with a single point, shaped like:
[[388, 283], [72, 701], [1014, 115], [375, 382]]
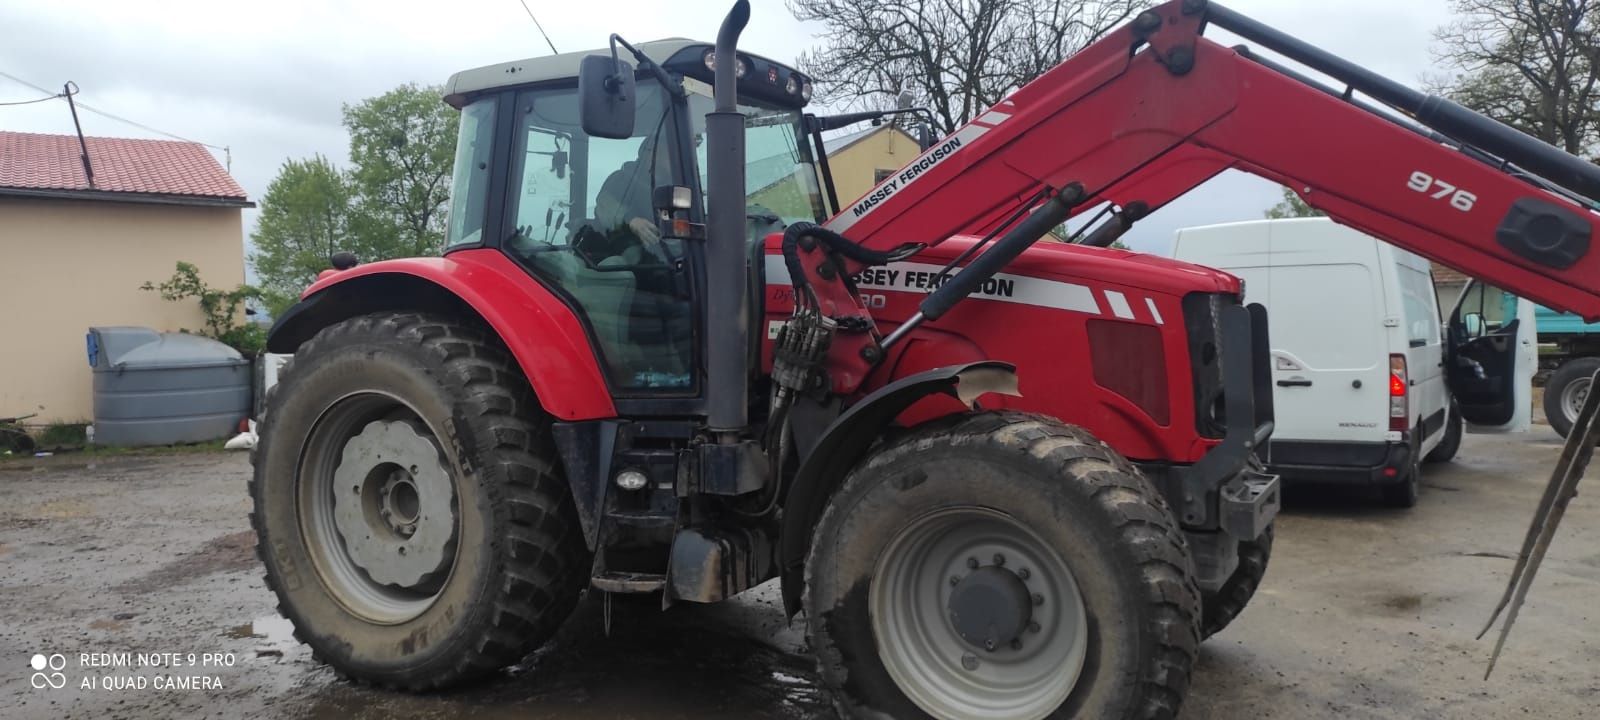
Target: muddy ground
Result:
[[1365, 613]]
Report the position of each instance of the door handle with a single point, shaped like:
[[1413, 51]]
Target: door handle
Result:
[[1294, 383]]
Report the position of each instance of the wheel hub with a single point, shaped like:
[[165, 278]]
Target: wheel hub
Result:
[[394, 504], [990, 608], [1573, 397]]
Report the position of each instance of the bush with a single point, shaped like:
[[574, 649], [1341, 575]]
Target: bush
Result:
[[220, 307]]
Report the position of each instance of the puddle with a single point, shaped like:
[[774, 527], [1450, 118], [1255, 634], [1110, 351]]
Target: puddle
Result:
[[274, 634], [694, 665]]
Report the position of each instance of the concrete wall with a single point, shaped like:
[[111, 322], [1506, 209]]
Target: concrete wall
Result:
[[855, 167], [67, 264]]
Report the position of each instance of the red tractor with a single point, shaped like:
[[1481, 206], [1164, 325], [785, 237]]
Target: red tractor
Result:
[[1003, 478]]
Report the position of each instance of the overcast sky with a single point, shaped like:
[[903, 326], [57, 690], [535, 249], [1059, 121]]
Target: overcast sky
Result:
[[267, 79]]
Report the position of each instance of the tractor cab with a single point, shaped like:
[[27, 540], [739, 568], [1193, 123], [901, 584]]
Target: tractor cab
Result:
[[610, 220]]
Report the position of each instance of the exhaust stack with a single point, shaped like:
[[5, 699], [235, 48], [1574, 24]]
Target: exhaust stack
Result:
[[727, 298]]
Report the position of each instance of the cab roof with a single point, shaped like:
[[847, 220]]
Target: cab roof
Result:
[[467, 83]]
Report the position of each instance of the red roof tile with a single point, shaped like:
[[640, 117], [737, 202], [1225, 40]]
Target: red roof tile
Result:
[[31, 161]]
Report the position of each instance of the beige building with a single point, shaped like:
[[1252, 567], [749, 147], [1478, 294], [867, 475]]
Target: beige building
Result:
[[863, 159], [73, 253]]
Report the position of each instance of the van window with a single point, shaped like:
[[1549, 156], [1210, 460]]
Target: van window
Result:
[[1416, 293], [1494, 304]]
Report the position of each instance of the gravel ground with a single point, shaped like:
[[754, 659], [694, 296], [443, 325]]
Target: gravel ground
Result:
[[1365, 613]]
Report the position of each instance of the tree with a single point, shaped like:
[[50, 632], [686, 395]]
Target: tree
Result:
[[402, 147], [956, 57], [390, 203], [1292, 206], [1532, 64], [306, 214]]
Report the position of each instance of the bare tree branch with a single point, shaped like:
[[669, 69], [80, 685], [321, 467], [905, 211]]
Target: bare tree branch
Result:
[[957, 57], [1532, 64]]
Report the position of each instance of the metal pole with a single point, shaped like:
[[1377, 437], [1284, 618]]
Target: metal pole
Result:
[[69, 89]]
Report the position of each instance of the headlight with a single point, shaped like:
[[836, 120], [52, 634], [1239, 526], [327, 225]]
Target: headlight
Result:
[[805, 91], [739, 66], [792, 86]]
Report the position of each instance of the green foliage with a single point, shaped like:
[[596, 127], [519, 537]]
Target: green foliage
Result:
[[402, 148], [305, 212], [63, 434], [1292, 207], [390, 203], [221, 308]]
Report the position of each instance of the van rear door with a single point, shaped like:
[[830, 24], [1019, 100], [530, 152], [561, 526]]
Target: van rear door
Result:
[[1492, 358], [1329, 351]]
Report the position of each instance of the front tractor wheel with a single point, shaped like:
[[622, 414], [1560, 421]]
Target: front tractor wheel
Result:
[[1001, 565], [408, 508]]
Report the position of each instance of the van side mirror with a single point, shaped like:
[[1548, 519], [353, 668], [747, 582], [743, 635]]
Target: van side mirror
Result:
[[606, 97], [1472, 324]]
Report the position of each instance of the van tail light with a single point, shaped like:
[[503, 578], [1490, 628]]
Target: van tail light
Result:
[[1399, 399]]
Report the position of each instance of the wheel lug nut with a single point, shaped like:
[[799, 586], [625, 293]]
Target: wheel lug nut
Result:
[[1038, 599], [999, 559], [954, 580], [969, 661], [989, 644], [1016, 643], [972, 563], [1033, 627], [1023, 573]]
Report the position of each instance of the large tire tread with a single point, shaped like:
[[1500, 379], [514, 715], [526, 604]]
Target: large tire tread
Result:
[[1229, 600], [543, 551], [1139, 514]]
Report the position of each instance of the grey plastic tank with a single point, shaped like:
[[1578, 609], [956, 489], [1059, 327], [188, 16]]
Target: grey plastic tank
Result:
[[154, 388]]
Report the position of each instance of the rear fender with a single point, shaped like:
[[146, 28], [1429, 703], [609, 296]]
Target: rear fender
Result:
[[844, 442], [544, 335]]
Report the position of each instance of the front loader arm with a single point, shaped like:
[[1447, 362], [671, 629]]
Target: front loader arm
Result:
[[1155, 109]]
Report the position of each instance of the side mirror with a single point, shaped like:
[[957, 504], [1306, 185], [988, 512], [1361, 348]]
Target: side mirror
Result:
[[1472, 324], [605, 92]]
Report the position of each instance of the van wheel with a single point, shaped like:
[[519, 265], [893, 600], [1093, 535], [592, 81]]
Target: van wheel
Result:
[[1403, 494], [1451, 442], [1001, 565], [408, 504], [1566, 390]]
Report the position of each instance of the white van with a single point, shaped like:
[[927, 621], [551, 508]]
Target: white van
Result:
[[1368, 384]]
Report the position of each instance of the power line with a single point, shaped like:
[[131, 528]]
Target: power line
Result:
[[56, 96], [226, 151], [536, 24]]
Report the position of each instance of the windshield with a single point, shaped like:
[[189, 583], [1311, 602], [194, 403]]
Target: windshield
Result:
[[780, 175]]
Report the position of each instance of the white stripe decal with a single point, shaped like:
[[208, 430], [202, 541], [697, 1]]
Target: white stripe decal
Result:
[[923, 278], [1119, 304], [1151, 303], [994, 117]]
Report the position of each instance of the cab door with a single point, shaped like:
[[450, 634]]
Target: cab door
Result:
[[1491, 359]]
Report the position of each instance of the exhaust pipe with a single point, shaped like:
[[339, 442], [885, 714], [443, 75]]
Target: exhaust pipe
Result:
[[727, 334]]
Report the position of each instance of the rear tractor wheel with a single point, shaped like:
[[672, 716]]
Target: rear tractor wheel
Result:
[[408, 505], [1001, 565]]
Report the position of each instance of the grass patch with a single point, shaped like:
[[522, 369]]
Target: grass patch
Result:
[[109, 451], [62, 434]]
